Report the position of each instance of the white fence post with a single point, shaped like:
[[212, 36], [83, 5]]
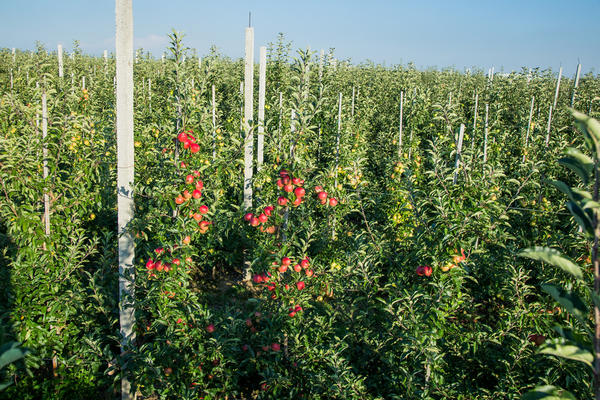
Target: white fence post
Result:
[[125, 176]]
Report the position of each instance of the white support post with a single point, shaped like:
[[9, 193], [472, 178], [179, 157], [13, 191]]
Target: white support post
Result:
[[150, 94], [292, 131], [214, 122], [400, 126], [461, 134], [576, 83], [125, 176], [242, 106], [321, 62], [105, 56], [200, 63], [557, 88], [485, 133], [337, 142], [83, 82], [248, 117], [11, 79], [45, 163], [14, 55], [60, 60], [279, 125], [549, 125], [474, 120], [354, 93], [528, 126], [262, 76]]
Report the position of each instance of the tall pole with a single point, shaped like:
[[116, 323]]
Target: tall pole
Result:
[[337, 143], [548, 127], [262, 76], [125, 176], [60, 60], [279, 124], [474, 120], [461, 134], [575, 84], [400, 129], [353, 94], [248, 117], [528, 126], [45, 163], [485, 133], [214, 122], [557, 88]]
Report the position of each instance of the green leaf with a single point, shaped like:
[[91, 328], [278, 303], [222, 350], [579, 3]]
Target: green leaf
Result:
[[581, 217], [569, 300], [579, 163], [589, 127], [548, 392], [571, 350], [12, 354], [553, 257]]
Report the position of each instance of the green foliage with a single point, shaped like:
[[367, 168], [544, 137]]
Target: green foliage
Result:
[[413, 288]]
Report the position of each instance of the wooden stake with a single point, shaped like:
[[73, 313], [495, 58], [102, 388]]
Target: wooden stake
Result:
[[125, 177], [262, 76], [459, 144]]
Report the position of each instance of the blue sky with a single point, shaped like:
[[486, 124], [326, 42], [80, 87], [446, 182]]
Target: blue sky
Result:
[[505, 34]]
